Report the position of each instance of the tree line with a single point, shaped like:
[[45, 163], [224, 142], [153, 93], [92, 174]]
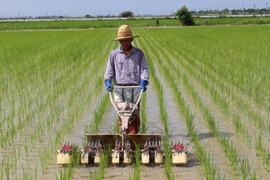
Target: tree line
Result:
[[233, 11]]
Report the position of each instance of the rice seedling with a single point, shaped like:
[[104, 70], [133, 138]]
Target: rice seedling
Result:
[[137, 166], [262, 152], [164, 118], [143, 115]]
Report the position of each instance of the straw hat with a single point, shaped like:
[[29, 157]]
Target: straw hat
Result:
[[124, 32]]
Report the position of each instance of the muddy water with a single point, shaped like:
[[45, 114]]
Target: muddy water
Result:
[[152, 173], [154, 124]]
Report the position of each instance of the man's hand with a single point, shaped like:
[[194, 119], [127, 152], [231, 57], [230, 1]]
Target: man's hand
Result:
[[143, 85], [109, 86]]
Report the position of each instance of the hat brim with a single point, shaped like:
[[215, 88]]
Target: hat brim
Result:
[[126, 37]]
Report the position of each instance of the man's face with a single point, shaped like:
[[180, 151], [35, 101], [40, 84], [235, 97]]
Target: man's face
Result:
[[126, 43]]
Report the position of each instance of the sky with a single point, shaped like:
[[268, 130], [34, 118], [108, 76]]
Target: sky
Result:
[[80, 8]]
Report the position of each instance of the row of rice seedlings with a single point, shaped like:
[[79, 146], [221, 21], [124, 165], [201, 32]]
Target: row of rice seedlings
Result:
[[163, 113], [67, 172], [253, 116], [99, 175], [262, 152], [143, 130], [143, 114], [105, 157], [7, 166], [92, 129], [211, 171], [236, 162], [27, 174], [98, 115], [137, 165], [163, 116]]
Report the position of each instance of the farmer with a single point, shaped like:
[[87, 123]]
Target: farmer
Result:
[[127, 67]]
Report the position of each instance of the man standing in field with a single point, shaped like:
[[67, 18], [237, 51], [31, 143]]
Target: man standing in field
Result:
[[127, 66]]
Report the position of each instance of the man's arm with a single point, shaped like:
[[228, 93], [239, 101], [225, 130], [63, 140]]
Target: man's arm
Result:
[[144, 69], [109, 72]]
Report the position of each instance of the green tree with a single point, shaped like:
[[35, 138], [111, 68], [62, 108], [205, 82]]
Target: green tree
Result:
[[185, 16], [127, 14], [157, 22]]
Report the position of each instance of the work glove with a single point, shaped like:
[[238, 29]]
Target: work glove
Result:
[[109, 86], [143, 85]]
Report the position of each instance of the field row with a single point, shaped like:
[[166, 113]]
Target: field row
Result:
[[104, 23]]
